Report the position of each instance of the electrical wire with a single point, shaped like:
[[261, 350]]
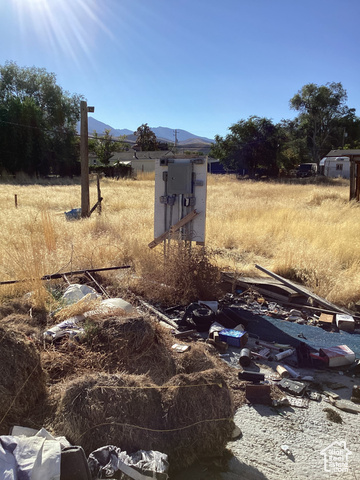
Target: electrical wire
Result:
[[60, 130], [208, 420]]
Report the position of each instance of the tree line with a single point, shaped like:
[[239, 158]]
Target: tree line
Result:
[[324, 122], [38, 133], [38, 126], [37, 123]]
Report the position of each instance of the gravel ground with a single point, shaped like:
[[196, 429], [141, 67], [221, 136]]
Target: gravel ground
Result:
[[257, 453], [306, 431]]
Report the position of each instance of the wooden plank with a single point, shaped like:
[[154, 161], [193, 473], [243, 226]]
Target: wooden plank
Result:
[[181, 223], [321, 301], [264, 286], [174, 228], [160, 315], [262, 282]]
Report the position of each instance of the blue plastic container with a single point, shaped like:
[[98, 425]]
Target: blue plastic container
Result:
[[233, 337]]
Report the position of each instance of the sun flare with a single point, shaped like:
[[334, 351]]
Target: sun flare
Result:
[[62, 26], [31, 4]]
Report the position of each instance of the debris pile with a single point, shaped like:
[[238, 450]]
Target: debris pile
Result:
[[114, 378], [119, 377]]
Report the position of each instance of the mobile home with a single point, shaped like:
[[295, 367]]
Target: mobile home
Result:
[[335, 167]]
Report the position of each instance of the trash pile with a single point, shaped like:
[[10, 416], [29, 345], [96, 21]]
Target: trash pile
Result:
[[114, 377], [163, 384], [28, 454], [252, 332]]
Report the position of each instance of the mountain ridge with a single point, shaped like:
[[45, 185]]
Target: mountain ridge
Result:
[[162, 133]]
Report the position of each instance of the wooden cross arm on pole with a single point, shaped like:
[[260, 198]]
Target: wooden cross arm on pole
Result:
[[174, 228]]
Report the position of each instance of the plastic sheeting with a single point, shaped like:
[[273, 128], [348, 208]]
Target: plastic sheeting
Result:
[[142, 465], [76, 292], [277, 330], [68, 327], [35, 457], [116, 303]]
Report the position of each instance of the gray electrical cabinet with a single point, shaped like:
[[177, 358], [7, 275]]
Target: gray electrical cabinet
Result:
[[180, 199]]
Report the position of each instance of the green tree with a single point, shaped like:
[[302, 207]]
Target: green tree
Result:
[[322, 113], [293, 146], [146, 138], [104, 146], [251, 145], [38, 121], [21, 141], [349, 132]]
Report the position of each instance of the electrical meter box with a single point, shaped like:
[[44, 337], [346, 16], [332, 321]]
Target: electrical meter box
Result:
[[179, 179], [180, 199]]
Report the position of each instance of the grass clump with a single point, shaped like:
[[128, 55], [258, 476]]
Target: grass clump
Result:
[[182, 275]]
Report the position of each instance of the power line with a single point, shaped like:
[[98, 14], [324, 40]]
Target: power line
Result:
[[59, 130]]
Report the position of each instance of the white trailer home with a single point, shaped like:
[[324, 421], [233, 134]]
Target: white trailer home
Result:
[[335, 167]]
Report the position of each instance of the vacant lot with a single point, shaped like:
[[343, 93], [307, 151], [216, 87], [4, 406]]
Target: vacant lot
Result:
[[307, 232]]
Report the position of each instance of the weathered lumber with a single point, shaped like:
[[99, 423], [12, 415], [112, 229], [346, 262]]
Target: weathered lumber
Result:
[[304, 291], [174, 228], [160, 315]]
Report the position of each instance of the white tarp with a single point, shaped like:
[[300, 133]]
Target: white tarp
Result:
[[35, 457], [76, 292]]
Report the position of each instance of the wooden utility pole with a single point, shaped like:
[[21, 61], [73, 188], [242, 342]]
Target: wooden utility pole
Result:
[[352, 180], [84, 157]]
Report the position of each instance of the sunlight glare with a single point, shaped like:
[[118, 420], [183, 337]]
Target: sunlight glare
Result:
[[62, 25]]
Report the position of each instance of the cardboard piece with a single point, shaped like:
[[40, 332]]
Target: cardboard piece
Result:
[[337, 356], [326, 318]]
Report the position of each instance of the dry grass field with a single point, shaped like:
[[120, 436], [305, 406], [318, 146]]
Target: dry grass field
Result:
[[305, 232]]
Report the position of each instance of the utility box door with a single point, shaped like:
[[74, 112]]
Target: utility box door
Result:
[[180, 188], [179, 178]]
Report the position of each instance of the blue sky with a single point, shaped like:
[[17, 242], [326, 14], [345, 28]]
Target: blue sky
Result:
[[197, 65]]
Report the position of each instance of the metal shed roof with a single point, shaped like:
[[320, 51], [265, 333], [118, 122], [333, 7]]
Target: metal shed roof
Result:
[[344, 153]]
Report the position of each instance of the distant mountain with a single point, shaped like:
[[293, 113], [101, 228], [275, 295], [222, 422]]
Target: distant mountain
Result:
[[100, 128], [182, 135], [195, 141], [162, 133]]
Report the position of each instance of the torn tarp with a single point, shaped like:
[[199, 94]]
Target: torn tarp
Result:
[[68, 327], [142, 465], [35, 457], [278, 330]]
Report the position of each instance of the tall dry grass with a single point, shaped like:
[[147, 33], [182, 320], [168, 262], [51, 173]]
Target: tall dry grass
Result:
[[305, 232]]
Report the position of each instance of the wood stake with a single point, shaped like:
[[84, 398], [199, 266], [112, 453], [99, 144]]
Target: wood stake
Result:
[[84, 156]]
